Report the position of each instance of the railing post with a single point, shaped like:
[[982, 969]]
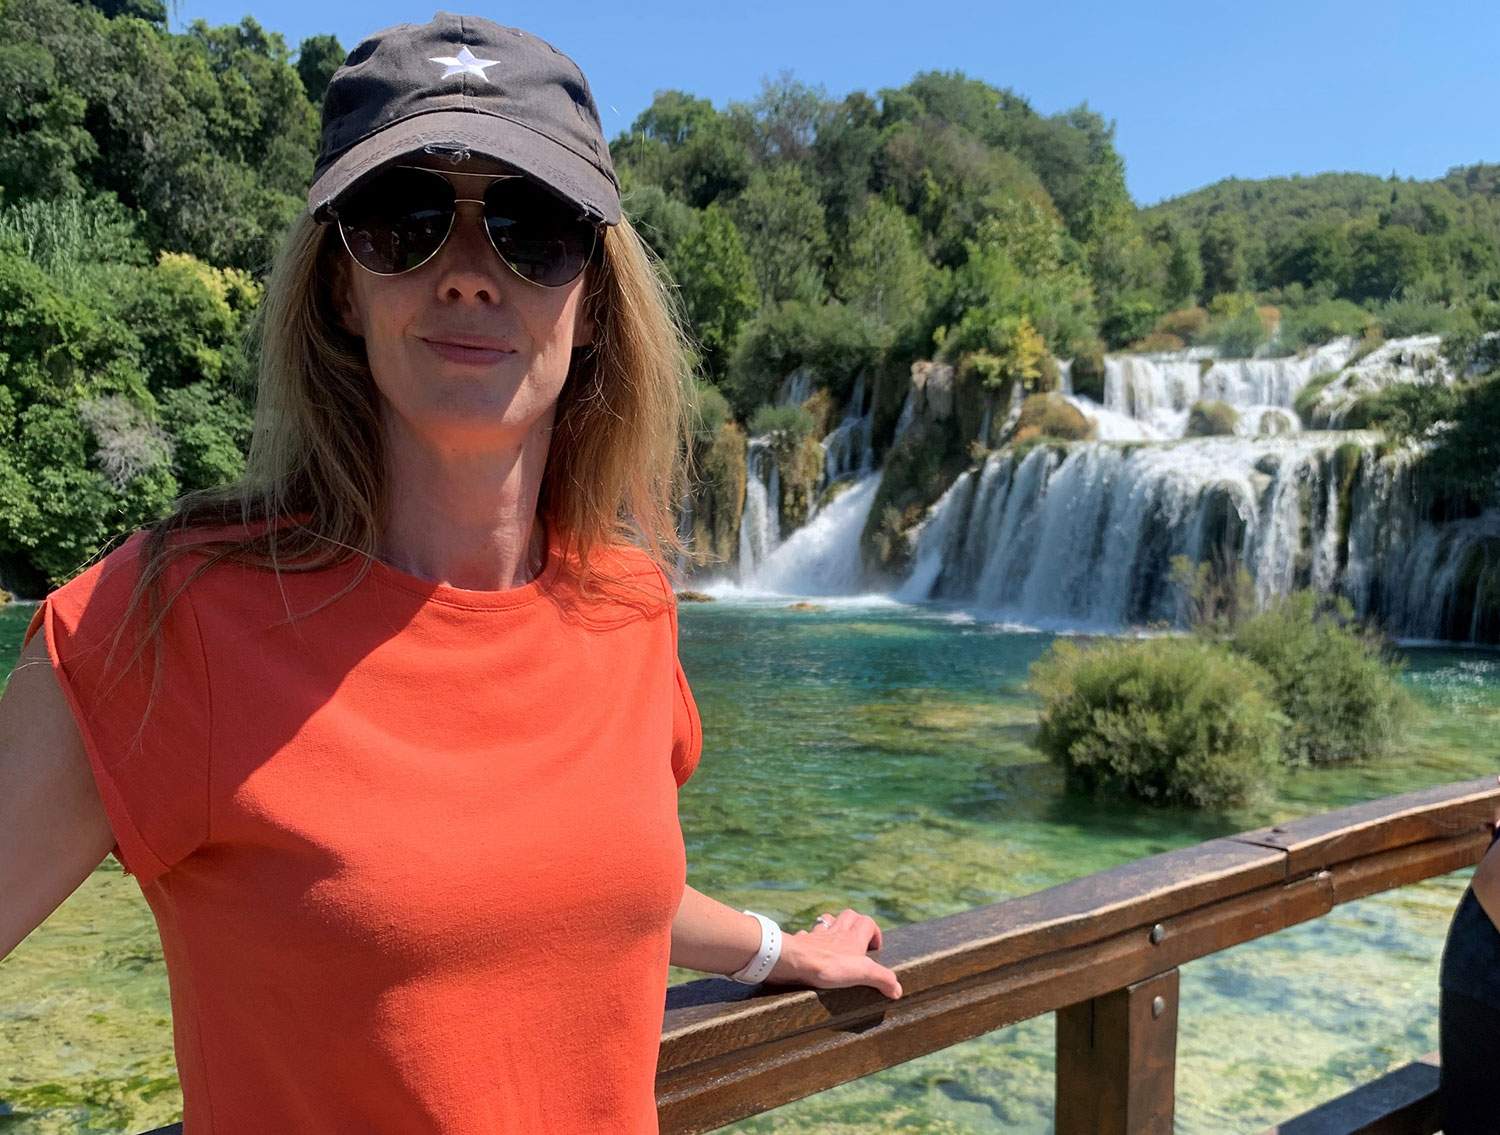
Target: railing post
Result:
[[1117, 1061]]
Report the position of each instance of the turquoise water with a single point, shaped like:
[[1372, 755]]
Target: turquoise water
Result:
[[878, 757]]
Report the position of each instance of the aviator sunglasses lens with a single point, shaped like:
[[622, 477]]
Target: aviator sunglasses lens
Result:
[[536, 234], [397, 221]]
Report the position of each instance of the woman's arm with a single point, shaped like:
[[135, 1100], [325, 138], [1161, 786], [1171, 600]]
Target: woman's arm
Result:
[[713, 938], [1486, 883]]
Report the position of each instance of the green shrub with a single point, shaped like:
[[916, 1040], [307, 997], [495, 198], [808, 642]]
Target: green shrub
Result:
[[1187, 323], [1157, 341], [1169, 720], [1307, 397], [793, 420], [1404, 317], [1370, 342], [710, 411], [1404, 410], [833, 341], [1051, 415], [1319, 323], [1212, 419], [1331, 678], [1238, 335]]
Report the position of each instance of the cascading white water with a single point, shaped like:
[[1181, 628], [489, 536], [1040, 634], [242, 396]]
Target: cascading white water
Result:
[[1158, 390], [1085, 539], [760, 522], [822, 557], [847, 449]]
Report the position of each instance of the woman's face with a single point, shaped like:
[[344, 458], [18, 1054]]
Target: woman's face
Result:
[[465, 352]]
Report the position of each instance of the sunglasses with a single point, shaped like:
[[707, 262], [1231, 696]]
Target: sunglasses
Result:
[[396, 221]]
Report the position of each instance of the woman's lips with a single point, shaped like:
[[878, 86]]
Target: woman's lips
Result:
[[473, 356]]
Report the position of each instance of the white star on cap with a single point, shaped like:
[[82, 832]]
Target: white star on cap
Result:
[[464, 63]]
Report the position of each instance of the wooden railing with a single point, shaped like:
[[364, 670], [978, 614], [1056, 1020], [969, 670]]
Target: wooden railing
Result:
[[1103, 953]]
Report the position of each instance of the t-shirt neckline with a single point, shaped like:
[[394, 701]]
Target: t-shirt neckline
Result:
[[438, 592]]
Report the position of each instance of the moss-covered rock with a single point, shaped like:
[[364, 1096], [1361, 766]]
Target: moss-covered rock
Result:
[[819, 407], [1307, 402], [1052, 416], [719, 495], [917, 470], [1212, 419], [801, 467], [1088, 372]]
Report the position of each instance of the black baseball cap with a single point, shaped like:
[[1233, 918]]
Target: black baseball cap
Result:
[[462, 85]]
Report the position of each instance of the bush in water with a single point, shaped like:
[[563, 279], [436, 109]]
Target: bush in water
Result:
[[1168, 720], [1051, 415], [1332, 679], [1212, 419]]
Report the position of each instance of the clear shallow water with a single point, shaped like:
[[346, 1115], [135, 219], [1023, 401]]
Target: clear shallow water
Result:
[[878, 757]]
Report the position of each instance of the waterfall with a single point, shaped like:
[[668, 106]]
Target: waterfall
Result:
[[848, 448], [1084, 539], [1158, 390], [1082, 536], [822, 557], [796, 388], [760, 523]]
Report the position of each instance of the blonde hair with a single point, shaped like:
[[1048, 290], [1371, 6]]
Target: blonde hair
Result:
[[314, 485]]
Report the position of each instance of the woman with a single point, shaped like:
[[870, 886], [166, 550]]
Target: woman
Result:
[[390, 733], [1469, 1004]]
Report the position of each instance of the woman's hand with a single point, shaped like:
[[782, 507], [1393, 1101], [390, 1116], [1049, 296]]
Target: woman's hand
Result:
[[833, 955]]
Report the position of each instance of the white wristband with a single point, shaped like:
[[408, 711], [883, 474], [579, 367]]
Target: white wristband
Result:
[[760, 966]]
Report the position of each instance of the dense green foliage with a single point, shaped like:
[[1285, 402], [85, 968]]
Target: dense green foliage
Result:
[[145, 179], [1168, 720], [1334, 681], [1207, 720], [144, 185]]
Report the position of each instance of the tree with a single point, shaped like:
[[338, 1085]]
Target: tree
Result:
[[843, 157], [717, 283], [782, 222], [318, 57], [787, 115], [882, 271], [1384, 261], [1222, 247], [44, 144], [682, 144], [1184, 267]]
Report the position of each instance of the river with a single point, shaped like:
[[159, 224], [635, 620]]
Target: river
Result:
[[876, 755]]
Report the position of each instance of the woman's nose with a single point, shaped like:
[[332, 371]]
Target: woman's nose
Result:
[[468, 261]]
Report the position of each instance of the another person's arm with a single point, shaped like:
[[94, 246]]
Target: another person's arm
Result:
[[53, 827], [714, 938], [1486, 883]]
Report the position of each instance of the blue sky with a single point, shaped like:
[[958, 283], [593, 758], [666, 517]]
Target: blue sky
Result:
[[1198, 91]]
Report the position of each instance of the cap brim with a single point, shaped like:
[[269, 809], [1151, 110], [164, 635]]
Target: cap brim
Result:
[[482, 132]]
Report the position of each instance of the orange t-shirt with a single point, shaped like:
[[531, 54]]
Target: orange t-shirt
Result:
[[414, 858]]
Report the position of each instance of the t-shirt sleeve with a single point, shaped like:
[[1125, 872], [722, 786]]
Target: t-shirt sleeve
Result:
[[151, 768], [687, 728]]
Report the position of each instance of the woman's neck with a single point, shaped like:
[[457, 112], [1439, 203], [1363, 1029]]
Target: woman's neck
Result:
[[465, 519]]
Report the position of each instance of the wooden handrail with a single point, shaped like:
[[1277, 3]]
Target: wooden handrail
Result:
[[1102, 951], [729, 1051]]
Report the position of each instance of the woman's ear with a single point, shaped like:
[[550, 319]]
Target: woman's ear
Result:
[[345, 303], [583, 327]]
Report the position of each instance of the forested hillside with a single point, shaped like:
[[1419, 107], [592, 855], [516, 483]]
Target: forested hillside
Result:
[[145, 178]]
